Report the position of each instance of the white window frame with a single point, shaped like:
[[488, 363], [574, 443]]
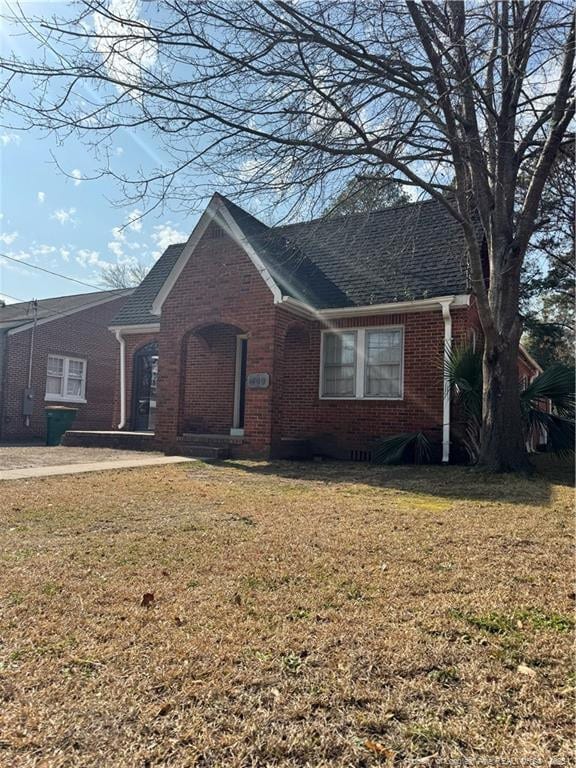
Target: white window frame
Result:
[[361, 362], [64, 398]]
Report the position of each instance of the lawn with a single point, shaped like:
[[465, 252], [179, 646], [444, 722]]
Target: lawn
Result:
[[302, 615]]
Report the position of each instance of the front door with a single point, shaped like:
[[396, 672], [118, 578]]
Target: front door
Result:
[[144, 389], [240, 385]]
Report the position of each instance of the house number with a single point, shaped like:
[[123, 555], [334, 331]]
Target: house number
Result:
[[258, 380]]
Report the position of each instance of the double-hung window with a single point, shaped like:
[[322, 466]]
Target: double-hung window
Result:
[[65, 379], [363, 363]]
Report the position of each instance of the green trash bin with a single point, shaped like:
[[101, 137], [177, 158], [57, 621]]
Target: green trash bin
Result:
[[59, 418]]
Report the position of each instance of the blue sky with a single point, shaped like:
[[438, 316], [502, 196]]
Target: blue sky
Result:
[[72, 225]]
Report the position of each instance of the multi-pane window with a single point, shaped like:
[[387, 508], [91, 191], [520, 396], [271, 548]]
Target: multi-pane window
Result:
[[383, 363], [339, 365], [364, 363], [65, 378]]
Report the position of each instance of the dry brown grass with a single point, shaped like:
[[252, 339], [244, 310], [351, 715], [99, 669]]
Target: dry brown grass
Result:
[[319, 615]]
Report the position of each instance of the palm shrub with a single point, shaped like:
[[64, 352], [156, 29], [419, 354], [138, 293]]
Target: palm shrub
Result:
[[463, 369]]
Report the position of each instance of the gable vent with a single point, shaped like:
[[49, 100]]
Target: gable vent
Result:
[[214, 232], [357, 455]]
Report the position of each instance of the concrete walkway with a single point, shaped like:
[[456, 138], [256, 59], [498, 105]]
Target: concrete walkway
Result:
[[91, 466]]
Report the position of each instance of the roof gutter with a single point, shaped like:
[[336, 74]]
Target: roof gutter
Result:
[[393, 307]]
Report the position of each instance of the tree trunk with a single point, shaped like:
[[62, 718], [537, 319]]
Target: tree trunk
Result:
[[503, 443]]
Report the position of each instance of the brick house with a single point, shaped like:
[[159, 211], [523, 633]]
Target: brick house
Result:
[[60, 353], [317, 337]]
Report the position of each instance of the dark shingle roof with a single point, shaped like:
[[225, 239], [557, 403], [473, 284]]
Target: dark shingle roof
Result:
[[404, 253], [14, 315], [137, 310], [413, 251]]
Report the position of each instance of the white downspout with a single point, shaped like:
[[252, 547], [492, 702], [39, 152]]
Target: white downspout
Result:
[[122, 343], [446, 381]]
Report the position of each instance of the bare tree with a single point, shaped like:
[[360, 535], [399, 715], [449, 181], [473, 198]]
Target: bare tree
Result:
[[288, 99], [125, 275], [362, 194]]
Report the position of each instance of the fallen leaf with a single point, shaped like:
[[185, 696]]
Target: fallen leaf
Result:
[[379, 749], [524, 670], [147, 599]]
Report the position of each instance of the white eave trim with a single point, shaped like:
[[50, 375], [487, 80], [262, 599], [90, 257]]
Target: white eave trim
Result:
[[142, 328], [394, 307], [217, 212], [60, 315]]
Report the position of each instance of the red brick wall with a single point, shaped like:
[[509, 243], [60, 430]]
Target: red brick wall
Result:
[[354, 423], [218, 286], [84, 335]]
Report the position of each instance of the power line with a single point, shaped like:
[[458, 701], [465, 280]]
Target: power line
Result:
[[50, 272]]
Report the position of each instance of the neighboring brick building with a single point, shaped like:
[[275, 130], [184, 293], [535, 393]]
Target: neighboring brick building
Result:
[[319, 337], [72, 357]]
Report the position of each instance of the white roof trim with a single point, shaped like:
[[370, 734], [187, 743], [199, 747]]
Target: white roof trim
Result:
[[393, 307], [397, 307], [216, 211], [142, 328], [60, 315]]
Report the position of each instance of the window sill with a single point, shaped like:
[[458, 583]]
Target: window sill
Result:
[[355, 399], [60, 399]]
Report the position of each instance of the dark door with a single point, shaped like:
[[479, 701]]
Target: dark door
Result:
[[242, 393], [144, 388]]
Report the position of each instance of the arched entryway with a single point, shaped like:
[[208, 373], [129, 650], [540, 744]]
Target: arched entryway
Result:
[[213, 380], [144, 387]]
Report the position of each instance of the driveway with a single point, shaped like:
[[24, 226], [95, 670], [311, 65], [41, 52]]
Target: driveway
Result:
[[17, 461]]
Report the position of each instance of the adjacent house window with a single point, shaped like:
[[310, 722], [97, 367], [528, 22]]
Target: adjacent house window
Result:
[[363, 363], [65, 379]]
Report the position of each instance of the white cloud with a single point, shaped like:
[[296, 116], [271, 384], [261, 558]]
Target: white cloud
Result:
[[41, 197], [126, 48], [6, 299], [135, 220], [118, 151], [41, 249], [10, 138], [65, 254], [87, 258], [116, 247], [77, 176], [8, 238], [165, 235], [64, 216]]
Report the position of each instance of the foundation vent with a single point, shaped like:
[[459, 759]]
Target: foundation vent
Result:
[[358, 455]]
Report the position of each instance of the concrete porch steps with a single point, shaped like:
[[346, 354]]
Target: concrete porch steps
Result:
[[201, 451]]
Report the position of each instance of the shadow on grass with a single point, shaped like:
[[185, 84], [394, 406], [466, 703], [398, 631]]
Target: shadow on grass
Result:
[[452, 482]]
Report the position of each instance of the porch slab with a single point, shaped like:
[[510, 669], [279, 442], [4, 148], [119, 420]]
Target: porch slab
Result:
[[120, 440]]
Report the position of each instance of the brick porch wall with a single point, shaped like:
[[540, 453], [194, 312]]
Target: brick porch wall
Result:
[[218, 286], [84, 335]]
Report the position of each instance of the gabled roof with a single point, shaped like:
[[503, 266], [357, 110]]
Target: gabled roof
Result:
[[138, 310], [20, 315], [406, 253]]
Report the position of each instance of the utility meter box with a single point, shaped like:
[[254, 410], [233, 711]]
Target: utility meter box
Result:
[[28, 401]]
